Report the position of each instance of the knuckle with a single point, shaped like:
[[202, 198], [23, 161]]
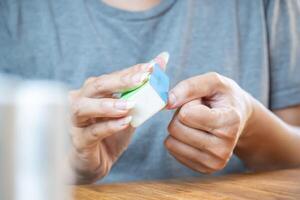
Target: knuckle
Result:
[[190, 86], [217, 165], [93, 131], [232, 133], [222, 153], [229, 132], [222, 164], [226, 133], [168, 143], [213, 163], [89, 80], [203, 145], [174, 129], [103, 105], [215, 76], [73, 95], [76, 108], [125, 80], [110, 127], [219, 132], [98, 85], [171, 128], [139, 67], [217, 79], [183, 115]]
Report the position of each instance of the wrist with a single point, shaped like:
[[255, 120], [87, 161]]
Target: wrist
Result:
[[253, 134], [88, 166], [252, 107], [251, 138]]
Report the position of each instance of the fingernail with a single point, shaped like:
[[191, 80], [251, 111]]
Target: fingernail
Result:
[[162, 59], [124, 121], [124, 104], [172, 100], [165, 55], [117, 95]]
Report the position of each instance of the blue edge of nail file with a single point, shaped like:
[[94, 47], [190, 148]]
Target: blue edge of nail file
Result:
[[160, 82], [149, 98]]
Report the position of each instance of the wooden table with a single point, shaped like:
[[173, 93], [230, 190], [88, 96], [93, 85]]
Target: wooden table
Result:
[[284, 184]]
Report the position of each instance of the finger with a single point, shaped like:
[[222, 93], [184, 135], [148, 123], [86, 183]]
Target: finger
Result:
[[200, 140], [193, 154], [195, 87], [192, 165], [222, 122], [105, 107], [85, 137], [87, 108], [116, 82]]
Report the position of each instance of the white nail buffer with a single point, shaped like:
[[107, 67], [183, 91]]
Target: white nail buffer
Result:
[[152, 96]]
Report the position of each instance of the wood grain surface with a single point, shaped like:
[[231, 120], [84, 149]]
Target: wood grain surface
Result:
[[283, 184]]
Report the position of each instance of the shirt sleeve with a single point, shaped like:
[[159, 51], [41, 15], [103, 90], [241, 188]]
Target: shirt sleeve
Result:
[[283, 26]]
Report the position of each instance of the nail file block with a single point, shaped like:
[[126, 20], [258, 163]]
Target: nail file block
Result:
[[149, 98]]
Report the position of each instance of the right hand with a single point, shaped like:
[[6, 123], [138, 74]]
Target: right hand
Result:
[[101, 128]]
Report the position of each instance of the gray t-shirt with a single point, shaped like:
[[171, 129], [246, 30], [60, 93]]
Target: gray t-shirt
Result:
[[254, 42]]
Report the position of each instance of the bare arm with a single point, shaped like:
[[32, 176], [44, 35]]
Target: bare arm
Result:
[[270, 141], [216, 117], [290, 115]]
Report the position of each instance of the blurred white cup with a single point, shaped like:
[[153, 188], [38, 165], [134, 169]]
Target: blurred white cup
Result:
[[34, 128]]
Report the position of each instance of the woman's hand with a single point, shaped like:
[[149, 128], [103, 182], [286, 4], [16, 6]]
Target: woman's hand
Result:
[[212, 114], [101, 130]]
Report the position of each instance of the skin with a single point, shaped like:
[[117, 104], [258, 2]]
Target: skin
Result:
[[214, 119], [132, 5], [100, 129]]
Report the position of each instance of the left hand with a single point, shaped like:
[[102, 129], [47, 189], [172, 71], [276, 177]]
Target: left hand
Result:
[[212, 115]]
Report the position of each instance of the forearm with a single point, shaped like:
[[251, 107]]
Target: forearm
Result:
[[267, 142]]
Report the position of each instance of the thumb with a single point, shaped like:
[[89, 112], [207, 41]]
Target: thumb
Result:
[[196, 87]]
